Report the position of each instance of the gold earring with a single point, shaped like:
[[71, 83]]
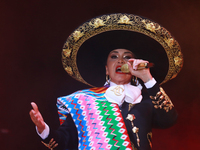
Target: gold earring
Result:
[[135, 80], [107, 80]]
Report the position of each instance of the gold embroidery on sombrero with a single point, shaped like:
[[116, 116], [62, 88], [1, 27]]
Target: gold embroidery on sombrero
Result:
[[170, 42], [125, 19], [151, 26], [178, 60], [120, 21], [97, 23], [67, 52], [77, 35], [69, 70]]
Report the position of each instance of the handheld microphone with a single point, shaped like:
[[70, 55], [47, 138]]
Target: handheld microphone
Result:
[[124, 67]]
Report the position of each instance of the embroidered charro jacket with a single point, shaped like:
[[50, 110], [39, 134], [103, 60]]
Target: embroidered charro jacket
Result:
[[89, 121]]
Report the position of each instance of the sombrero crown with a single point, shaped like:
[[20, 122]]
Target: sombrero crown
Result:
[[86, 49]]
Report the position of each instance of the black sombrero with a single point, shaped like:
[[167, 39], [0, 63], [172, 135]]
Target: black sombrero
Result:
[[86, 49]]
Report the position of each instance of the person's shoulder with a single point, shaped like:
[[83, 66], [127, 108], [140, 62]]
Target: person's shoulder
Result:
[[98, 89], [94, 90]]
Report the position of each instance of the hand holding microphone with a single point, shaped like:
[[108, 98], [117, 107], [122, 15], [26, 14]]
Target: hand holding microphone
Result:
[[137, 64], [138, 69]]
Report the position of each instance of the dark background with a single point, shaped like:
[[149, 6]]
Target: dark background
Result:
[[32, 34]]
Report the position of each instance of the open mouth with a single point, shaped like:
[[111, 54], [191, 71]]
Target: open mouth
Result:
[[118, 69]]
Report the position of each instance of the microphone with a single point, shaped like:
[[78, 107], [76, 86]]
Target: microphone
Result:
[[124, 67]]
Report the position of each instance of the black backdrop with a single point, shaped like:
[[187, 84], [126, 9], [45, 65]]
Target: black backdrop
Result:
[[32, 34]]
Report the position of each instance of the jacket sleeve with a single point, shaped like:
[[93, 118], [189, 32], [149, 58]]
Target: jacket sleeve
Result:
[[66, 135], [164, 113]]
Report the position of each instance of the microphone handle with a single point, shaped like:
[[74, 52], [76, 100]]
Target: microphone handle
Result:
[[124, 67]]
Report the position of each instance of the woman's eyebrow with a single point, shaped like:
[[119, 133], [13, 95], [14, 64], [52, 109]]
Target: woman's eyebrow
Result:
[[128, 52], [114, 52]]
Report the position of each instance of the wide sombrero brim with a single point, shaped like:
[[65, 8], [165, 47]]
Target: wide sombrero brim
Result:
[[86, 50]]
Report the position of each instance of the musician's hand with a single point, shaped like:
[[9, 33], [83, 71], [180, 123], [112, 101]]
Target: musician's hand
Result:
[[143, 74], [37, 118]]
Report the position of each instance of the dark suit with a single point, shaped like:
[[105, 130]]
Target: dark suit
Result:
[[154, 111]]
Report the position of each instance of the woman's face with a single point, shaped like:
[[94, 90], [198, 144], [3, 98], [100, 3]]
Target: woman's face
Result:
[[115, 60]]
